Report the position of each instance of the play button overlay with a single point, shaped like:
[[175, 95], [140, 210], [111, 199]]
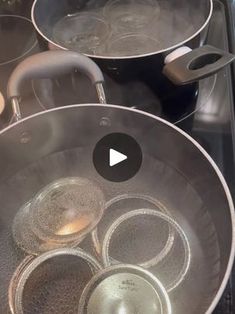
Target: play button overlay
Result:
[[117, 157]]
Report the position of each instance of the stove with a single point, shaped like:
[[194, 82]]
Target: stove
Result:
[[204, 110]]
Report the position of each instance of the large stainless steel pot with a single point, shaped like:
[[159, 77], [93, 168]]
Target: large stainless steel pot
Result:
[[170, 24], [176, 172]]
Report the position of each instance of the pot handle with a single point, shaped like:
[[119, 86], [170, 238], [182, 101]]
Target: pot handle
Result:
[[50, 64], [197, 64]]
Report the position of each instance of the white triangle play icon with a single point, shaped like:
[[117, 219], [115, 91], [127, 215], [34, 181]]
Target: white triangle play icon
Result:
[[115, 157]]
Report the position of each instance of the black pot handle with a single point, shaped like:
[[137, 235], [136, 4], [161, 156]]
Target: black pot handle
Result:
[[51, 64], [197, 64]]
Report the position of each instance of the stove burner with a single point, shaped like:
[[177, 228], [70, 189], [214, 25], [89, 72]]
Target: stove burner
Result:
[[17, 38], [204, 92], [172, 103]]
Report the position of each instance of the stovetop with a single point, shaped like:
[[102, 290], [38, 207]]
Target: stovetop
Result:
[[205, 111]]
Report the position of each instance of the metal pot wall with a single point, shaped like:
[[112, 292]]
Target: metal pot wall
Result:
[[175, 170], [182, 67]]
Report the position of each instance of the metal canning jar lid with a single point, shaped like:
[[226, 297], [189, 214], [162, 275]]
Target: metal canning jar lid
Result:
[[60, 215], [124, 289], [123, 204], [118, 246], [52, 282], [66, 210]]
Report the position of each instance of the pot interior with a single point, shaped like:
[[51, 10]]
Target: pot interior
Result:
[[189, 256], [120, 28]]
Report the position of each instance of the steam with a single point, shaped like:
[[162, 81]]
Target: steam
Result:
[[130, 27]]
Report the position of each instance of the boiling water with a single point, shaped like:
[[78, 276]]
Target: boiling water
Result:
[[123, 28], [156, 180]]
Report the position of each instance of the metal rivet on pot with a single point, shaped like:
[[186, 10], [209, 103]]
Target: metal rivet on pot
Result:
[[25, 137], [105, 122]]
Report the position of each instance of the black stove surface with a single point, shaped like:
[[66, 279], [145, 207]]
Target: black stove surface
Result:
[[204, 110]]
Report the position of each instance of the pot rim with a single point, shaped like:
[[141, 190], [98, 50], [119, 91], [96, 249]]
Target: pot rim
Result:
[[125, 57], [198, 146]]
